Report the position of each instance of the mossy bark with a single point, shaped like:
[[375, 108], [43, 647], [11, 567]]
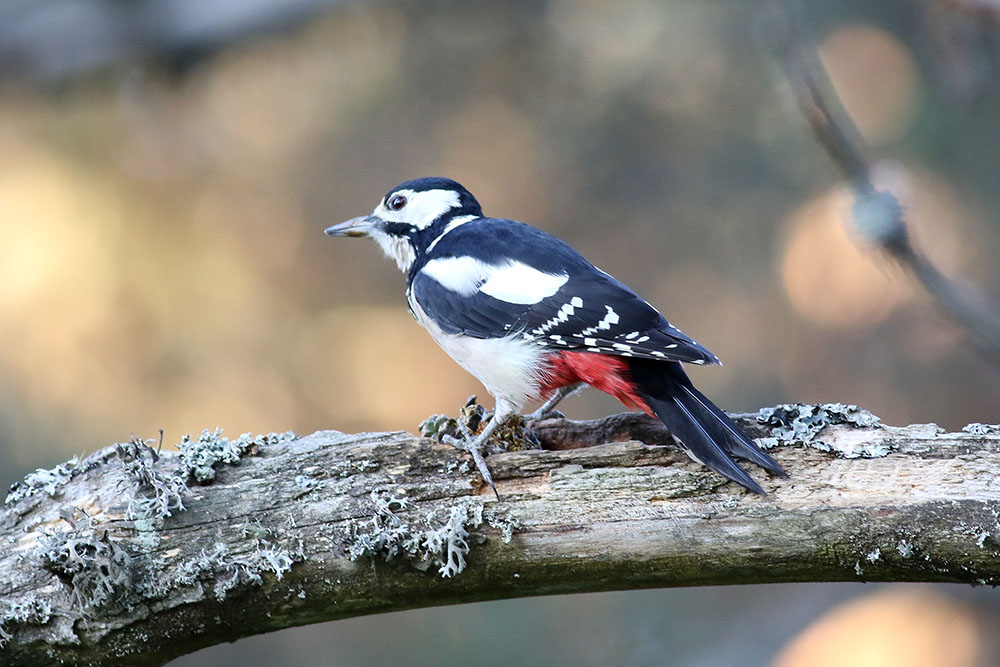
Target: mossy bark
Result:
[[269, 542]]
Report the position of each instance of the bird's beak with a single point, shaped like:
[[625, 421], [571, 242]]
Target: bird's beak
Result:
[[360, 226]]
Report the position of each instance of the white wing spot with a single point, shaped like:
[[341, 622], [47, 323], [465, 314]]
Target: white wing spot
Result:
[[632, 335], [516, 282], [562, 316], [642, 340], [576, 302], [590, 341], [610, 318]]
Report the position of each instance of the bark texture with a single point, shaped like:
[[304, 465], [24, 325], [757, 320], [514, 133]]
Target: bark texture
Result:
[[127, 557]]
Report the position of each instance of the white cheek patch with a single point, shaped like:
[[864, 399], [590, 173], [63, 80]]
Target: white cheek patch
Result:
[[422, 208], [519, 283]]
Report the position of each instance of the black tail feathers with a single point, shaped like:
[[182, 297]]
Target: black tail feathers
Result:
[[707, 432]]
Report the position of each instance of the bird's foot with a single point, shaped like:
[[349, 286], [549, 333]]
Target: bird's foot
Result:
[[548, 408], [542, 413], [474, 446]]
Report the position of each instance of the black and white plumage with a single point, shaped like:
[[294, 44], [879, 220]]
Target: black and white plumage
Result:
[[532, 319]]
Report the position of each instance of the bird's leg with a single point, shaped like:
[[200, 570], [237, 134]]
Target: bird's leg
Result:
[[558, 395], [474, 445]]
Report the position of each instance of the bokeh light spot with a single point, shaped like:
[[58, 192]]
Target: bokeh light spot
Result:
[[897, 628], [876, 78], [829, 280]]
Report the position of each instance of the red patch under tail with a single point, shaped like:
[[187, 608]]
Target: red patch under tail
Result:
[[606, 372]]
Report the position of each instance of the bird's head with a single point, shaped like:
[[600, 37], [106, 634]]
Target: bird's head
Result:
[[401, 221]]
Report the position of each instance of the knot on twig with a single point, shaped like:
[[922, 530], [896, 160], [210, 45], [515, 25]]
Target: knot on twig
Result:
[[878, 219]]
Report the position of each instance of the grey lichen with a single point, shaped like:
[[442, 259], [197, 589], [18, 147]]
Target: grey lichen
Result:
[[440, 539], [438, 426], [45, 481], [905, 548], [157, 494], [308, 483], [472, 418], [29, 611], [449, 543], [462, 467], [199, 458], [800, 423], [152, 493], [98, 570], [976, 428], [229, 571], [503, 521]]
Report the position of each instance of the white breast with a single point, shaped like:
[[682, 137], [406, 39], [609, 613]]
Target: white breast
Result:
[[508, 367]]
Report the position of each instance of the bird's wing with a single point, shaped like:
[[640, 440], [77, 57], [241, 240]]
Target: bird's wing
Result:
[[600, 314], [573, 307]]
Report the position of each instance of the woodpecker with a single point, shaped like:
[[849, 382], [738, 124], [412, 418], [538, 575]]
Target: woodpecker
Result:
[[533, 320]]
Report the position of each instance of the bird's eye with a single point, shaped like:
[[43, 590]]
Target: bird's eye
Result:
[[396, 203]]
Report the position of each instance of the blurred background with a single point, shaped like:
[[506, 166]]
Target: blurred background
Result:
[[167, 169]]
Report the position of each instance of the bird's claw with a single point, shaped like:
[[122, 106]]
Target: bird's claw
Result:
[[466, 433], [475, 447]]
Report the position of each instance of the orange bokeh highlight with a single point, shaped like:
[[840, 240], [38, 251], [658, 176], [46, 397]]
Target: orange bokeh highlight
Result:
[[894, 628], [830, 280], [876, 79]]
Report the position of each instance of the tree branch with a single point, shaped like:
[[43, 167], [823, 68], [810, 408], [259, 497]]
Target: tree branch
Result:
[[263, 533]]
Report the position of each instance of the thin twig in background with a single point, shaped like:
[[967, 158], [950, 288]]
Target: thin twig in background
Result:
[[878, 216]]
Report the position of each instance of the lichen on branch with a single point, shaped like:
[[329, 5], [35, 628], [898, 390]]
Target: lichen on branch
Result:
[[136, 555]]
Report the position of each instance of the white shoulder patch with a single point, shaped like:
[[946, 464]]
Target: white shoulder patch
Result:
[[513, 282], [519, 283], [459, 274]]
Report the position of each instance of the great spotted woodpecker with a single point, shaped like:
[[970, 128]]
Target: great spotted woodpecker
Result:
[[532, 319]]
